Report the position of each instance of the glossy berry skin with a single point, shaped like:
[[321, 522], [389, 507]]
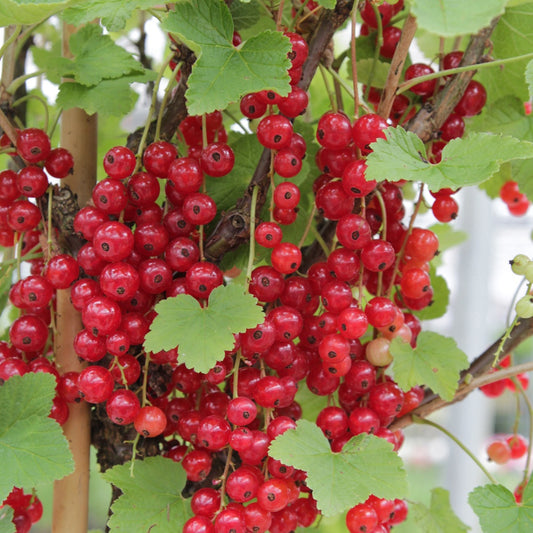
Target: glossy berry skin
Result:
[[363, 420], [367, 129], [268, 234], [113, 241], [286, 258], [110, 196], [241, 411], [119, 281], [28, 334], [119, 162], [295, 103], [391, 37], [59, 163], [354, 181], [95, 384], [198, 524], [101, 315], [386, 400], [201, 278], [472, 101], [199, 209], [217, 159], [425, 88], [286, 163], [286, 195], [22, 215], [273, 495], [499, 452], [252, 106], [333, 422], [243, 484], [181, 253], [378, 255], [299, 49], [415, 282], [422, 244], [333, 202], [33, 145], [518, 446], [186, 174], [32, 181], [274, 132], [386, 12], [157, 158], [122, 407], [334, 130], [453, 128], [361, 519], [61, 271], [150, 421], [353, 232], [445, 208]]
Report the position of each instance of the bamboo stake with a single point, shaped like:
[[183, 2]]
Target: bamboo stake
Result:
[[71, 494]]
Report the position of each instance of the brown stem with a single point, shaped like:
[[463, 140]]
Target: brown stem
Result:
[[427, 122], [396, 67], [71, 494], [476, 370]]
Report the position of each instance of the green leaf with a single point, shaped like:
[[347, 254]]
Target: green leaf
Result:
[[513, 36], [151, 499], [203, 334], [464, 161], [113, 13], [441, 298], [6, 515], [109, 97], [16, 12], [455, 17], [33, 449], [437, 518], [381, 71], [498, 511], [367, 465], [448, 237], [328, 4], [97, 57], [222, 73], [436, 362], [245, 14]]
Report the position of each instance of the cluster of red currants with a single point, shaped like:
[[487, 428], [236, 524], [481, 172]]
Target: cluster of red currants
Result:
[[27, 509]]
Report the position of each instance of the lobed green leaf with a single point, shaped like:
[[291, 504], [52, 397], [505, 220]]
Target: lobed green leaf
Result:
[[151, 500], [469, 161], [113, 13], [436, 362], [498, 511], [222, 73], [6, 515], [456, 17], [203, 334], [367, 465], [33, 450]]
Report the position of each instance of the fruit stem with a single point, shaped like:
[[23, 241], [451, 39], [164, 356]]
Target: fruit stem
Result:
[[353, 53], [529, 406], [307, 226], [15, 30], [406, 85], [506, 335], [225, 477], [298, 15], [251, 254], [39, 99], [8, 128], [379, 44], [329, 90], [397, 63], [418, 420], [148, 122], [399, 257], [168, 90], [145, 378]]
